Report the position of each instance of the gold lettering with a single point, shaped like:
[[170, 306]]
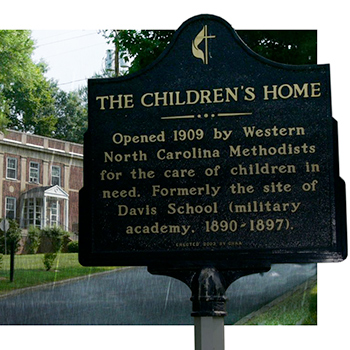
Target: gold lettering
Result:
[[267, 92], [230, 93], [285, 87], [132, 193], [162, 98], [136, 156], [286, 91], [218, 98], [189, 209], [251, 131], [177, 99], [298, 91], [156, 228], [205, 96], [196, 98], [112, 101], [102, 100], [250, 94], [315, 89], [143, 98]]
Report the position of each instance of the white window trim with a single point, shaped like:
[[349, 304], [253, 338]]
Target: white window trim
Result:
[[36, 169], [36, 220], [55, 208], [14, 206], [59, 176], [15, 169]]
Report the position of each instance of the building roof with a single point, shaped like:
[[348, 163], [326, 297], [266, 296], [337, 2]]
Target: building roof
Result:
[[46, 191]]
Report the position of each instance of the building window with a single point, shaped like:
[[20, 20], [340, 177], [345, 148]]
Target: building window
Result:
[[55, 175], [11, 169], [54, 213], [10, 207], [34, 172], [32, 212]]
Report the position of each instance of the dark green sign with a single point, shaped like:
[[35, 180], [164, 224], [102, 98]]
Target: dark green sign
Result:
[[212, 155]]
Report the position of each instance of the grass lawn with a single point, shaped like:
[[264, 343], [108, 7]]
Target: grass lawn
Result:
[[30, 270], [300, 308]]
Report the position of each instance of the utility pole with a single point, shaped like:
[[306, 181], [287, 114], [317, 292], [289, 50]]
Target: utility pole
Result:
[[116, 53]]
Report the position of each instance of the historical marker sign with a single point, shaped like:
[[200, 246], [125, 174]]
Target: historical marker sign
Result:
[[212, 155]]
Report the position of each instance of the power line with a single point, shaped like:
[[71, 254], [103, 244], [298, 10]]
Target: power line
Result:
[[53, 36], [59, 41], [73, 81], [66, 52]]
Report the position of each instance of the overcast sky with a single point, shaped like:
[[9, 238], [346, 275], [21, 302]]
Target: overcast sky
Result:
[[72, 55]]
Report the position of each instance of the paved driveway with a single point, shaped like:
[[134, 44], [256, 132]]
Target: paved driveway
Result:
[[135, 297]]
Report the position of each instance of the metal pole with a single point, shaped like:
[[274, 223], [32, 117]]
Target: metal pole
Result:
[[208, 286], [209, 333], [12, 261], [5, 234]]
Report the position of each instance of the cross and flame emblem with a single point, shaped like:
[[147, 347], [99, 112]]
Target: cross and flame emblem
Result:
[[196, 51]]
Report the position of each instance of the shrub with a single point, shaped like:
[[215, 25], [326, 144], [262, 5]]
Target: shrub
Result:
[[13, 236], [48, 260], [34, 236], [56, 237], [73, 247]]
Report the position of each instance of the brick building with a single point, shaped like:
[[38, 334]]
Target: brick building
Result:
[[40, 180]]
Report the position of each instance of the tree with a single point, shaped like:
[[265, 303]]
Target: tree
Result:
[[56, 237], [71, 114], [285, 46], [142, 46], [26, 101], [13, 236], [34, 236]]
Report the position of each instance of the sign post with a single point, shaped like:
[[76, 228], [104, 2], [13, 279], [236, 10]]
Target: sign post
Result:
[[211, 164], [4, 226], [209, 333]]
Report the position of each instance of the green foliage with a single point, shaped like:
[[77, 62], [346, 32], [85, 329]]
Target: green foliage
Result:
[[56, 237], [48, 260], [30, 271], [1, 258], [312, 318], [34, 235], [298, 307], [2, 242], [285, 46], [71, 113], [73, 247], [30, 102], [25, 94], [13, 236], [143, 46]]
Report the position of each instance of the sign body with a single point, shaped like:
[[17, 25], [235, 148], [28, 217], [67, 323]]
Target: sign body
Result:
[[212, 155]]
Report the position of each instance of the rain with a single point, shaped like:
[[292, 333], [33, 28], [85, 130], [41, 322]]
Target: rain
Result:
[[132, 296]]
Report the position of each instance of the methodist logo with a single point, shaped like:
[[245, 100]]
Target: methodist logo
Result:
[[196, 51]]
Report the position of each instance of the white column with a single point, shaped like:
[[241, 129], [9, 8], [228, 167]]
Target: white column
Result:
[[66, 177], [43, 224], [46, 181], [66, 215], [23, 173]]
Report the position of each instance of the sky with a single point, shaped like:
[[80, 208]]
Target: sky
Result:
[[72, 56], [331, 21]]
